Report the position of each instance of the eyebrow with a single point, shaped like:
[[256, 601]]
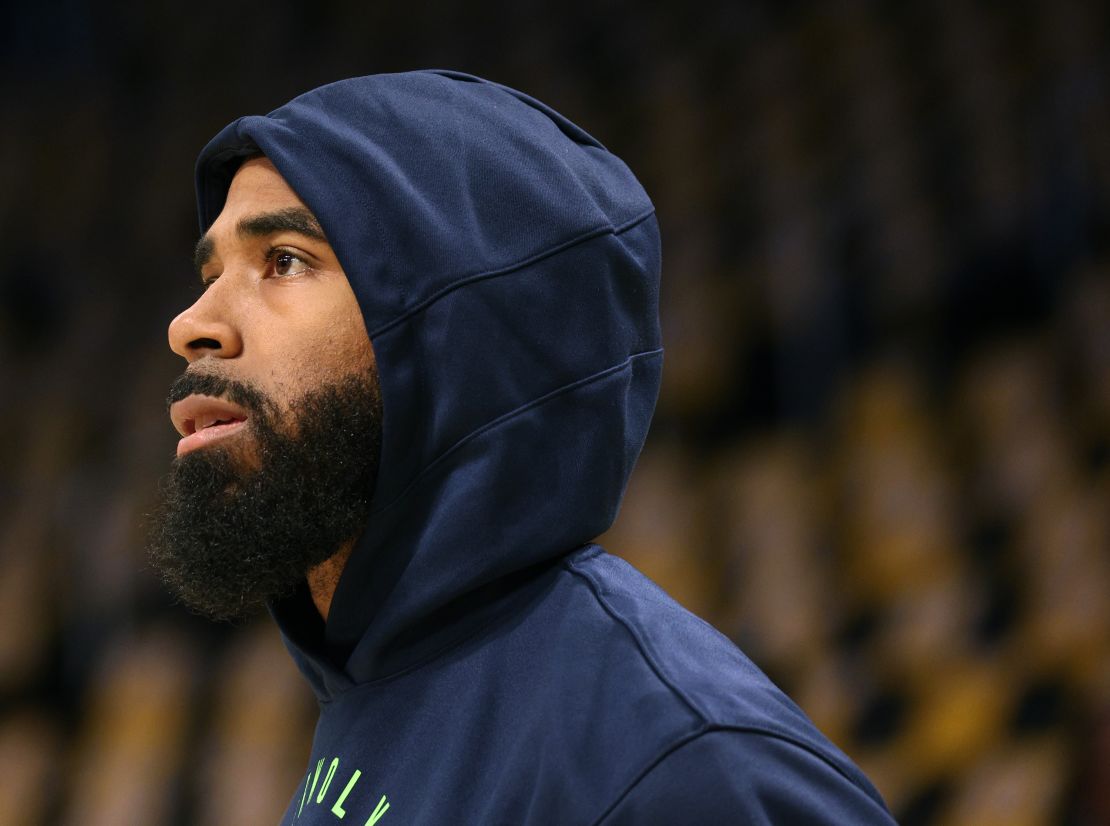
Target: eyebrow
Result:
[[292, 219]]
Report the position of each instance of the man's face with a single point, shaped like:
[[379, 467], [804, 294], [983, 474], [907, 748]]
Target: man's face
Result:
[[277, 311], [279, 408]]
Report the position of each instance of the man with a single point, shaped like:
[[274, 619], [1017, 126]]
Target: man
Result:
[[419, 375]]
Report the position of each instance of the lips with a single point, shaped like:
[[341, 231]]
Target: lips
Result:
[[202, 420]]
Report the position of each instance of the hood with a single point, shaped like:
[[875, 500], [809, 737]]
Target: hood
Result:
[[507, 268]]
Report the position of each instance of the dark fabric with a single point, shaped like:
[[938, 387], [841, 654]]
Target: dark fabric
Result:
[[481, 662], [742, 776]]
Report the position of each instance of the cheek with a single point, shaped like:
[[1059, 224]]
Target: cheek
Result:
[[333, 349], [349, 341], [311, 337]]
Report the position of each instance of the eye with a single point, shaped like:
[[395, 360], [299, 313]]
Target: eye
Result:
[[287, 263]]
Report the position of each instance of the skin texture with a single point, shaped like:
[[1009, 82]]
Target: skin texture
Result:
[[278, 312]]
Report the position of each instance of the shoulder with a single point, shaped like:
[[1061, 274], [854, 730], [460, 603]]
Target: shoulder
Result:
[[748, 734], [701, 667], [734, 776]]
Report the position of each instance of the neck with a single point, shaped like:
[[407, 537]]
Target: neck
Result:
[[323, 578]]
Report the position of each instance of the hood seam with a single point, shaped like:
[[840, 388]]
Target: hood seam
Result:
[[588, 235], [512, 414]]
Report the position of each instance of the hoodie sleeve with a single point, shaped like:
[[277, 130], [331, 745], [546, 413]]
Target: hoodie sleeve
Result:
[[734, 777]]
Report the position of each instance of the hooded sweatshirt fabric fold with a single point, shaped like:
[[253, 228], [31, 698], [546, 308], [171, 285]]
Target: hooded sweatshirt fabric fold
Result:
[[483, 662]]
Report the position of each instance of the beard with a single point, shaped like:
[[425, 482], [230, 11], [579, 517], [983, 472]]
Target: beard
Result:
[[239, 524]]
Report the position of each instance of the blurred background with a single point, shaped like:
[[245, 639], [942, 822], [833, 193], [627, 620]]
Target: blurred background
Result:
[[881, 458]]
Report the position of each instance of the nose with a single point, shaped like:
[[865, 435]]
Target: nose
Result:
[[206, 329]]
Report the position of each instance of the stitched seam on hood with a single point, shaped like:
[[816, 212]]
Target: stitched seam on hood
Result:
[[509, 269], [512, 414]]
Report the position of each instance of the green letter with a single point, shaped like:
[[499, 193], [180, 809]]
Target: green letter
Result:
[[304, 794], [379, 810], [316, 776], [327, 780], [338, 809]]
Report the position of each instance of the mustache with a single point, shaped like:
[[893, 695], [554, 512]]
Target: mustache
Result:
[[210, 384]]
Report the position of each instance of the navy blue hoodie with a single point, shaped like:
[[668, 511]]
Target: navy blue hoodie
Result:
[[482, 662]]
